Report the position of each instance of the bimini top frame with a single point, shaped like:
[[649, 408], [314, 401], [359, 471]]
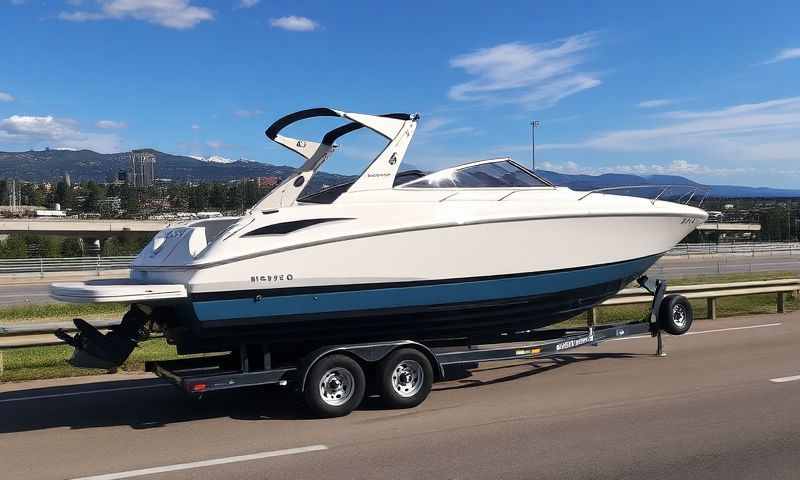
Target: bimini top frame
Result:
[[398, 128]]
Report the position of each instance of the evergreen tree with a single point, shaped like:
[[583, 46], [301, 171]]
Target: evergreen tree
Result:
[[112, 248], [14, 246], [49, 247], [71, 248]]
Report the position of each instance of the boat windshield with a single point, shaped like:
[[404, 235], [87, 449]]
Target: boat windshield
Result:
[[497, 174]]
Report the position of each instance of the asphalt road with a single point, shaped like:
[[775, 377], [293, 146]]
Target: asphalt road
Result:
[[24, 293], [708, 410]]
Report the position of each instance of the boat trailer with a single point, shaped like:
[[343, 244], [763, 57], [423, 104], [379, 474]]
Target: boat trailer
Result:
[[332, 378]]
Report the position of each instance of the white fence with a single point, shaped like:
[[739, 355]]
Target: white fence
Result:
[[43, 266]]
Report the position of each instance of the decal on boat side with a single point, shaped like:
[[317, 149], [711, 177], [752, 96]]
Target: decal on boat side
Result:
[[271, 278], [688, 220]]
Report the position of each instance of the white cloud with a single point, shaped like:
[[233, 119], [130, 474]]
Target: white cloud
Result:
[[294, 23], [110, 124], [32, 131], [535, 75], [243, 113], [195, 126], [6, 97], [248, 3], [655, 103], [785, 54], [178, 14], [757, 132], [215, 144]]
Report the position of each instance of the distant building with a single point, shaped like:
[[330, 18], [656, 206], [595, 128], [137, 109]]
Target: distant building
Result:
[[110, 206], [267, 182], [67, 180], [50, 213], [122, 176], [141, 168]]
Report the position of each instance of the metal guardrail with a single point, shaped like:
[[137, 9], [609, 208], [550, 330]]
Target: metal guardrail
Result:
[[754, 248], [629, 296], [43, 266]]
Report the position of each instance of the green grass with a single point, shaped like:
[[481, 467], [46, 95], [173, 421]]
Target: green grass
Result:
[[732, 277], [59, 312], [51, 362]]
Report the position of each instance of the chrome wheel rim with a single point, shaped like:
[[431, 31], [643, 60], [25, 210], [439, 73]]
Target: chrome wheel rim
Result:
[[679, 316], [336, 386], [407, 378]]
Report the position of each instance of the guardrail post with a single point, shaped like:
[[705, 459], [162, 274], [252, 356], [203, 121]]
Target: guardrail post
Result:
[[98, 265], [591, 316], [711, 308], [41, 267], [781, 302]]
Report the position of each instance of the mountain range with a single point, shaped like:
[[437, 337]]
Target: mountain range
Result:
[[84, 165]]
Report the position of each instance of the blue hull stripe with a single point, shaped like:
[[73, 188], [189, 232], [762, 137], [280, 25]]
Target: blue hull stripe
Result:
[[470, 291]]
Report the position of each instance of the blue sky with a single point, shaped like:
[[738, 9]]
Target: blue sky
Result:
[[709, 90]]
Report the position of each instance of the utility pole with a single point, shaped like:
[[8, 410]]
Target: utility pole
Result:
[[534, 125]]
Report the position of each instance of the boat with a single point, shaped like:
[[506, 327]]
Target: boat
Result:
[[483, 248]]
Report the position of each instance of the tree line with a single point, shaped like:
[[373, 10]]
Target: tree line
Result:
[[88, 197], [45, 246]]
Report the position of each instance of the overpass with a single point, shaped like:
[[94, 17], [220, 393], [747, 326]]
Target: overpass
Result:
[[80, 228], [730, 227]]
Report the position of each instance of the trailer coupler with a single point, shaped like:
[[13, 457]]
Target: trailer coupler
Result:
[[94, 349]]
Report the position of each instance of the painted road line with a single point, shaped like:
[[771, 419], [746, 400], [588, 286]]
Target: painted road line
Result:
[[731, 329], [701, 332], [87, 392], [204, 463], [785, 379]]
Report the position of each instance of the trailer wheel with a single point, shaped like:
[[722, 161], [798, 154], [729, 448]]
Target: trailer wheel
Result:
[[676, 314], [334, 386], [405, 378]]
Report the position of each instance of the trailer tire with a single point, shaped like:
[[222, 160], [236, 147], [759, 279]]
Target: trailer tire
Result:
[[405, 378], [334, 386], [676, 314]]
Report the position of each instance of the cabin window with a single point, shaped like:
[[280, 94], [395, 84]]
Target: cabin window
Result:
[[500, 174]]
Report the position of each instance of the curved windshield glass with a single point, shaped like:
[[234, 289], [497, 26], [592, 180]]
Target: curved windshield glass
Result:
[[500, 174]]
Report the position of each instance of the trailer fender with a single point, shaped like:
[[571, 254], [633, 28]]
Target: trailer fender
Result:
[[366, 353]]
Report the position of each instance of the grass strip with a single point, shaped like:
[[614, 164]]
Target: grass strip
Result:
[[59, 312], [51, 362]]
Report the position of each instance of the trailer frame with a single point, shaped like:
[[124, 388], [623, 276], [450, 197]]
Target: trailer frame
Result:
[[252, 365]]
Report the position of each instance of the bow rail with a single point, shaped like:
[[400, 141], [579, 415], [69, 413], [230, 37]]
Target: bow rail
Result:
[[691, 192]]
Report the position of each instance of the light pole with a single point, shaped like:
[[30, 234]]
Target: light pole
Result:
[[534, 125]]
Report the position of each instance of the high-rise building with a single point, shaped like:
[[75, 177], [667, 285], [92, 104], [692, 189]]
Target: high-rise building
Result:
[[141, 168]]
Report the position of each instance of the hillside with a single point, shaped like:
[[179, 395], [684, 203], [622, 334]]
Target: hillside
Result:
[[83, 165], [591, 182]]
